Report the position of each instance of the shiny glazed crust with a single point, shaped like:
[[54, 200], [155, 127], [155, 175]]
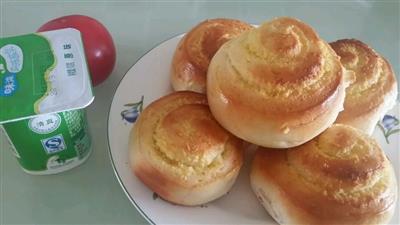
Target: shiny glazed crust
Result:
[[180, 152], [374, 91], [339, 177], [278, 85], [197, 47]]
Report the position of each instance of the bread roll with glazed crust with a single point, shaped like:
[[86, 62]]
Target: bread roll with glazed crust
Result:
[[374, 91], [180, 152], [278, 85], [197, 47], [340, 177]]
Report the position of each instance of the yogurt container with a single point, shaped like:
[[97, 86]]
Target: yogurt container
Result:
[[44, 86]]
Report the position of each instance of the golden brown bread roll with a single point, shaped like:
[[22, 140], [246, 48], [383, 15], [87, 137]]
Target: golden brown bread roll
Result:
[[197, 47], [180, 152], [374, 91], [339, 177], [278, 85]]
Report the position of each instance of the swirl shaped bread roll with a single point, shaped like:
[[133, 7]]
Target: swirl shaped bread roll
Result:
[[197, 47], [278, 85], [180, 152], [339, 177], [374, 91]]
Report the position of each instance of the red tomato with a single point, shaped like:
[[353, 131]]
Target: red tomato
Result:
[[99, 46]]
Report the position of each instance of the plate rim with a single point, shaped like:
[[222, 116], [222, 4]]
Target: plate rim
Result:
[[119, 179]]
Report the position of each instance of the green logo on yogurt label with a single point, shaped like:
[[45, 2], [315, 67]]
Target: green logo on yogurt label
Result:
[[44, 124], [13, 57], [10, 64], [54, 144]]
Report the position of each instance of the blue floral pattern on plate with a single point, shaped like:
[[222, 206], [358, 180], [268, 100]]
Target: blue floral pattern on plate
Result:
[[131, 114], [389, 125]]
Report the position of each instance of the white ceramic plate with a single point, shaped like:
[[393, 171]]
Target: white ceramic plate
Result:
[[149, 78]]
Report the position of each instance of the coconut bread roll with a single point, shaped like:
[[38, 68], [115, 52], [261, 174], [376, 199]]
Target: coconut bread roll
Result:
[[374, 91], [197, 47], [278, 85], [180, 152], [340, 177]]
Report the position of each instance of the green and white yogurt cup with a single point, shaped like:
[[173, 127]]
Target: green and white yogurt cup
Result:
[[44, 88]]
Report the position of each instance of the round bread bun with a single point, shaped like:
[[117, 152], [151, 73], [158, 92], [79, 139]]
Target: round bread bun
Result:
[[180, 152], [374, 91], [197, 47], [339, 177], [278, 85]]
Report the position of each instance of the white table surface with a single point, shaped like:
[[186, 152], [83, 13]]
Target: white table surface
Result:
[[90, 194]]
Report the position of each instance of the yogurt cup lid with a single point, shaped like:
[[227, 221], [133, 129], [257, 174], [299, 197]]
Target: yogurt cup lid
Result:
[[43, 73]]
